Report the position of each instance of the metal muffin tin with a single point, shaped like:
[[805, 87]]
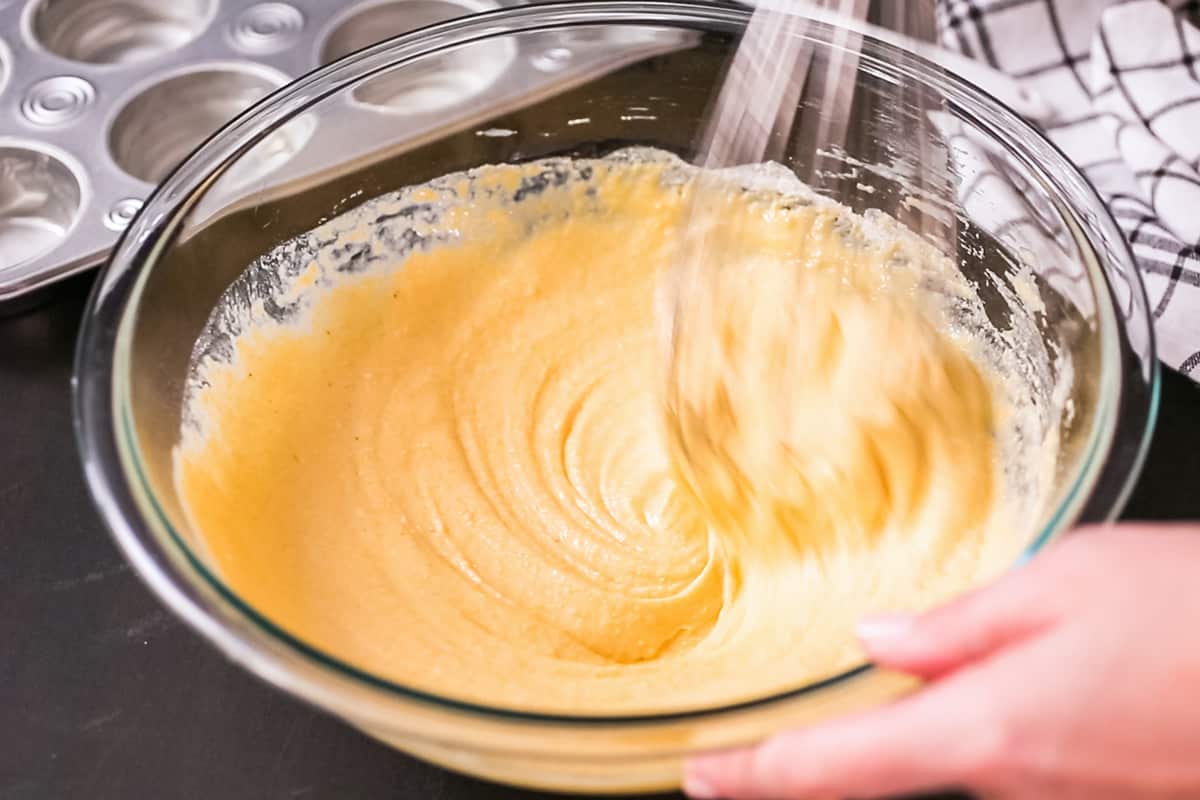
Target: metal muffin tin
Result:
[[101, 99]]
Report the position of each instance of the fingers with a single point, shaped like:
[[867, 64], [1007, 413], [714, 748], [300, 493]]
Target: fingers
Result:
[[936, 739], [921, 743], [965, 630]]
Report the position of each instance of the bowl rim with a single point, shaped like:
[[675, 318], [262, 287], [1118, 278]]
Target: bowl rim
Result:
[[105, 430]]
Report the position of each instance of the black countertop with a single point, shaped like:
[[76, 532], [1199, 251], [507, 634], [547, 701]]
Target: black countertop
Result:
[[103, 694]]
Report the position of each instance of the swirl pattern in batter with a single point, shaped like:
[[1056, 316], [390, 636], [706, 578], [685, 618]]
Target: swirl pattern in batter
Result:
[[449, 466]]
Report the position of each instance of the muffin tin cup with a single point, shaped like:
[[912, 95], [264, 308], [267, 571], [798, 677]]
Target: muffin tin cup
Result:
[[102, 99]]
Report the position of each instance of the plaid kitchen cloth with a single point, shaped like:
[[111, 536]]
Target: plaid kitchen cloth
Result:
[[1120, 82]]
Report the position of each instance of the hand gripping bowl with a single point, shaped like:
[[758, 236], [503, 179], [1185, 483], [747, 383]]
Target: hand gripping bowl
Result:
[[1016, 203]]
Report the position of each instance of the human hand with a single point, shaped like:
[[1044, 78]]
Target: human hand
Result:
[[1076, 676]]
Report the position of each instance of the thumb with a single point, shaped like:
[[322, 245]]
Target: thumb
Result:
[[963, 631]]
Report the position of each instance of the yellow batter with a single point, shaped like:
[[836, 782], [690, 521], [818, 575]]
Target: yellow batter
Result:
[[452, 467]]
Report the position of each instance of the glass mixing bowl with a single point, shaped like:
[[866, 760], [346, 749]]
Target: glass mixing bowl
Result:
[[585, 78]]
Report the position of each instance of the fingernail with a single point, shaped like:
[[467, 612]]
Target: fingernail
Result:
[[699, 789], [885, 629]]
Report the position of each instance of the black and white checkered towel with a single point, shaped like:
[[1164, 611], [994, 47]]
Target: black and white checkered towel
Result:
[[1120, 83]]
